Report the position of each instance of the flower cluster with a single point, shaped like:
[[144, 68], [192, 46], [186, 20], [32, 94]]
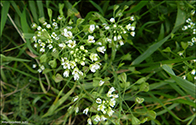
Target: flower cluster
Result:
[[104, 107]]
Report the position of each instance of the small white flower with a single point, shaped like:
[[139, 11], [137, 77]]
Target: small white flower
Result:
[[107, 27], [66, 65], [34, 38], [82, 47], [68, 34], [110, 111], [45, 23], [85, 111], [73, 64], [42, 44], [180, 53], [54, 24], [97, 26], [42, 67], [193, 39], [114, 25], [115, 38], [112, 20], [72, 43], [39, 70], [39, 28], [103, 118], [53, 35], [91, 39], [101, 108], [50, 46], [195, 78], [132, 33], [194, 31], [62, 45], [94, 57], [193, 72], [112, 89], [34, 66], [192, 12], [194, 60], [48, 26], [188, 20], [184, 28], [97, 118], [101, 49], [115, 96], [75, 98], [121, 42], [128, 27], [99, 43], [132, 18], [184, 77], [66, 73], [35, 45], [60, 17], [89, 121], [42, 50], [34, 25], [82, 63], [98, 100], [112, 102], [77, 110], [109, 40], [94, 67], [91, 28], [54, 50], [101, 83], [119, 37]]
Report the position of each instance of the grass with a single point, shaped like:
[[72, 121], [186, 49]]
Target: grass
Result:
[[152, 65]]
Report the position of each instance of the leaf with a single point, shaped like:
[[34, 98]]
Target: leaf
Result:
[[10, 58], [61, 6], [126, 57], [57, 78], [28, 35], [58, 103], [135, 121], [46, 71], [53, 63], [40, 8], [50, 14], [139, 6], [167, 49], [184, 84], [4, 12], [123, 77], [43, 58], [184, 45], [33, 9], [161, 34], [97, 7]]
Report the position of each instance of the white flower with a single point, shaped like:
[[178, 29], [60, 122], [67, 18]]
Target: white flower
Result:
[[98, 100], [72, 43], [60, 17], [194, 31], [128, 27], [73, 64], [188, 20], [115, 38], [101, 83], [112, 102], [54, 50], [119, 37], [112, 20], [193, 72], [132, 18], [45, 23], [66, 65], [39, 33], [42, 44], [62, 45], [114, 25], [112, 89], [34, 25], [103, 118], [192, 12], [185, 28], [68, 34], [48, 26], [82, 63], [132, 33], [91, 39], [56, 38], [53, 35], [97, 26], [121, 42], [82, 47], [94, 67], [77, 110], [49, 40], [110, 111], [42, 67], [97, 118], [94, 57], [39, 28], [66, 73], [34, 66], [85, 111], [109, 40], [42, 50], [107, 27], [39, 70], [50, 46], [35, 45], [101, 108], [34, 38], [54, 24], [101, 49], [89, 121], [115, 96], [75, 98], [91, 28], [99, 43], [193, 39], [195, 78]]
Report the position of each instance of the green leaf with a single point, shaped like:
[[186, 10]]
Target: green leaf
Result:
[[58, 103], [53, 63], [135, 121], [139, 6], [57, 78], [184, 84], [46, 71], [79, 21], [10, 58], [55, 54], [28, 35], [43, 58], [167, 49], [184, 45], [123, 77], [40, 8], [50, 14], [4, 12], [97, 7], [161, 34], [61, 6], [126, 57], [151, 114], [33, 9], [144, 87]]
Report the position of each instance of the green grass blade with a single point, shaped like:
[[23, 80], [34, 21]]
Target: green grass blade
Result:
[[16, 8], [40, 8], [97, 7], [165, 110], [4, 12], [55, 105], [139, 6], [33, 10], [9, 59], [24, 24], [184, 84], [179, 21]]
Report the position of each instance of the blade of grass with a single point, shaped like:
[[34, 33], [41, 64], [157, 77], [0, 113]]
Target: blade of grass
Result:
[[184, 84], [180, 19], [40, 8], [139, 6], [33, 10], [5, 8], [97, 7], [16, 8]]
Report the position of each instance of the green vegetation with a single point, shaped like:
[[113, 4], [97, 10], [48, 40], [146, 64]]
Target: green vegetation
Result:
[[98, 62]]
